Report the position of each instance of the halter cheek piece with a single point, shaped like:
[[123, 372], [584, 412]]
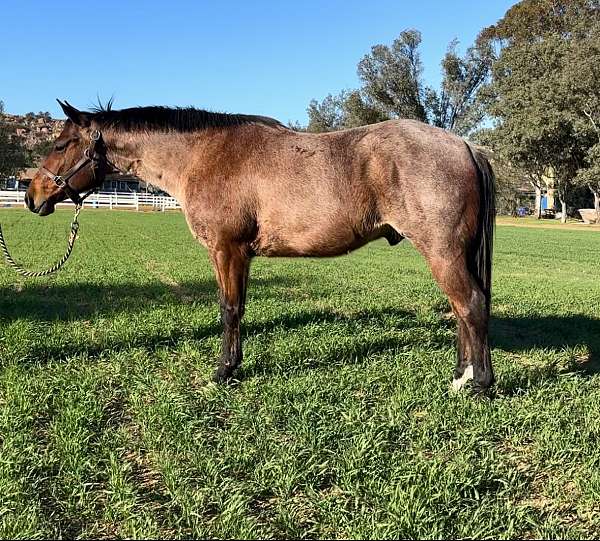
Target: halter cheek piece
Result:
[[94, 156]]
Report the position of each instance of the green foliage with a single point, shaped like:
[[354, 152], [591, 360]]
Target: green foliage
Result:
[[536, 94], [346, 110], [40, 151], [590, 175], [343, 426], [458, 107], [580, 78], [13, 156], [392, 77], [393, 87], [528, 20], [326, 115]]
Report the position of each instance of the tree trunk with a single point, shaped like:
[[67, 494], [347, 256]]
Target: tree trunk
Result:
[[563, 218], [538, 201], [596, 193]]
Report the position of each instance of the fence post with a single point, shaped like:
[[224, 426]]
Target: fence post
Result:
[[137, 201]]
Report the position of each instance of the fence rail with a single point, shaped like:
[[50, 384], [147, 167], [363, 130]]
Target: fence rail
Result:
[[111, 200]]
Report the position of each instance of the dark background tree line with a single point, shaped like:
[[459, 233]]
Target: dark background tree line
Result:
[[13, 155]]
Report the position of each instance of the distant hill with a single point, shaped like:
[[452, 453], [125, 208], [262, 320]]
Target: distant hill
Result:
[[34, 128]]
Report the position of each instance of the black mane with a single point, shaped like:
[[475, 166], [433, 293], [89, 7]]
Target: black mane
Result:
[[181, 119]]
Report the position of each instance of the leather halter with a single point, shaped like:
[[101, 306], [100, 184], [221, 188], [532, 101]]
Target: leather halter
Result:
[[91, 158]]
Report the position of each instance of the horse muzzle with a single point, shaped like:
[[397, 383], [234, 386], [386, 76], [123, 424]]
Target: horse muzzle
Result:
[[42, 209]]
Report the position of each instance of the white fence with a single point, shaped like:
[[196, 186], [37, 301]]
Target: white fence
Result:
[[116, 200]]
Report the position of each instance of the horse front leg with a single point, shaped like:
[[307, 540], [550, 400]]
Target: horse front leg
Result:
[[231, 263]]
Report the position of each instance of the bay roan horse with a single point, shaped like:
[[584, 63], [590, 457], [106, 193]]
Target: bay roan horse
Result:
[[249, 187]]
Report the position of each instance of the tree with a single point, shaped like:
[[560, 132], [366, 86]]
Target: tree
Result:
[[393, 87], [528, 99], [13, 156], [40, 151], [510, 178], [456, 107], [528, 21], [325, 116], [392, 77], [580, 80], [590, 176], [348, 109], [359, 110]]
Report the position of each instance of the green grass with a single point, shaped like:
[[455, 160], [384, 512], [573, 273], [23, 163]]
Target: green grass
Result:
[[343, 425]]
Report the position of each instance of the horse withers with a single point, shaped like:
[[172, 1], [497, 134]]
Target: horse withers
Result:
[[250, 187]]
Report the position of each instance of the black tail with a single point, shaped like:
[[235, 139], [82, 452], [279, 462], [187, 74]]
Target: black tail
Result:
[[480, 258]]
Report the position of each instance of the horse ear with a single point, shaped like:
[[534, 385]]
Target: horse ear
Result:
[[76, 116]]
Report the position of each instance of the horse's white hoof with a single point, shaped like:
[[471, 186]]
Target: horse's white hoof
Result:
[[459, 383]]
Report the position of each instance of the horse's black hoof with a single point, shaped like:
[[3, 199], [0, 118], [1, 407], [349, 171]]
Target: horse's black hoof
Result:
[[481, 392], [224, 375]]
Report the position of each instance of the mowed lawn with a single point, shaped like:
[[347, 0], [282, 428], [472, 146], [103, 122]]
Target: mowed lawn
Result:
[[343, 425]]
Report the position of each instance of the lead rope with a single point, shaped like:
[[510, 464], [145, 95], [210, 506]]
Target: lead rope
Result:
[[30, 274]]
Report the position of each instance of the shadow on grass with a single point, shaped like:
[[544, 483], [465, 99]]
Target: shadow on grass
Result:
[[520, 334], [81, 301], [344, 352], [546, 333], [50, 302]]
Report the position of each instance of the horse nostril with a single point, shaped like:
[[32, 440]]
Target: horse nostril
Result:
[[29, 201]]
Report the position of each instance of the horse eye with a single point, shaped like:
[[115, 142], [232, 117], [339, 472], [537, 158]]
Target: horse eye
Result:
[[60, 146]]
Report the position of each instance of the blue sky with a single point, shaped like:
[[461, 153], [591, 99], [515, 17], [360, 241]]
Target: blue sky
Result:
[[255, 56]]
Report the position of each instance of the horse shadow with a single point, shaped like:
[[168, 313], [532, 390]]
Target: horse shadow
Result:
[[76, 302], [72, 303], [519, 334], [522, 334]]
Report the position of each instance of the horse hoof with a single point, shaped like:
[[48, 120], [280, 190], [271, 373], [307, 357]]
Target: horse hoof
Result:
[[481, 392], [459, 383], [224, 375]]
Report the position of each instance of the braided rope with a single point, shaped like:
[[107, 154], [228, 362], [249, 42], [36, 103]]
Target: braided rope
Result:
[[30, 274]]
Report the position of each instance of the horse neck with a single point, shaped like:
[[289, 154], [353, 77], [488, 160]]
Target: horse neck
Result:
[[157, 158]]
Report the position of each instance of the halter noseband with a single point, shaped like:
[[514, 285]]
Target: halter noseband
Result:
[[91, 157]]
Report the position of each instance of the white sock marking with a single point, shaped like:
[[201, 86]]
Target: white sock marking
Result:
[[457, 384]]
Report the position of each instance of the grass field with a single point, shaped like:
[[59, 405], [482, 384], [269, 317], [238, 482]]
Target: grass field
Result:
[[343, 425]]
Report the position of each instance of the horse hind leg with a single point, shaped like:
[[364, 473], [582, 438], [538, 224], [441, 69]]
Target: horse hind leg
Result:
[[469, 305]]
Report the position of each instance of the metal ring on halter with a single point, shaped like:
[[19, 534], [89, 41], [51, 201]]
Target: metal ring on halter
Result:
[[95, 135]]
